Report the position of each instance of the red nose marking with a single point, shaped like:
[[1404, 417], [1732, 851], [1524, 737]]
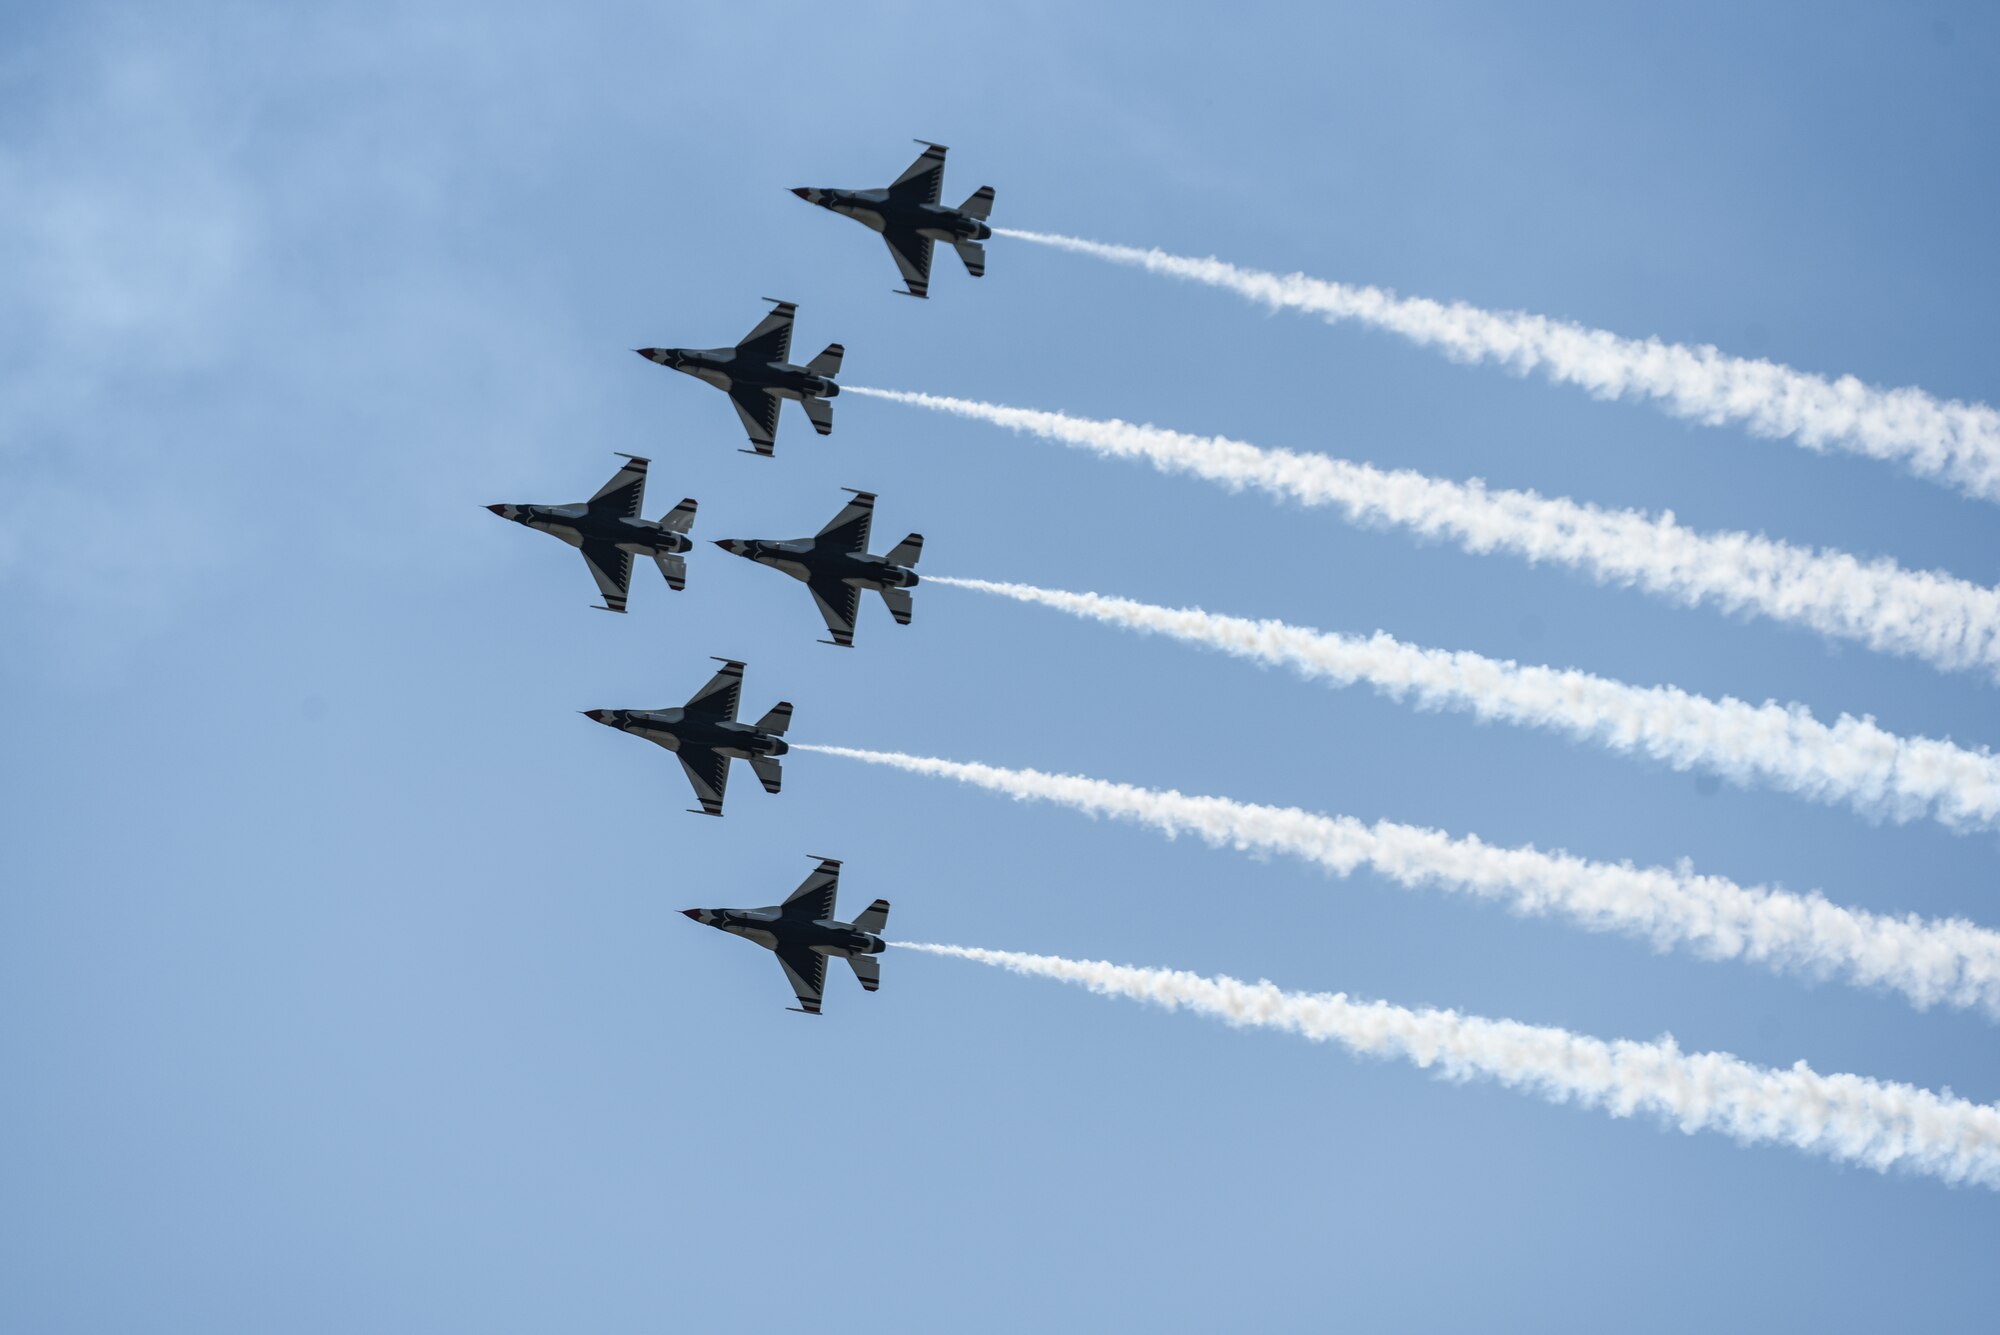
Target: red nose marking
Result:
[[692, 913]]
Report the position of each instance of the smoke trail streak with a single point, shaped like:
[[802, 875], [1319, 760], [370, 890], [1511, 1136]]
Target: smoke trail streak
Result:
[[1956, 442], [1948, 961], [1923, 614], [1849, 1118], [1854, 761]]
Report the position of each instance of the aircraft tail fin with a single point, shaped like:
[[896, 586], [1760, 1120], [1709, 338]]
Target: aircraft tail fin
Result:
[[820, 413], [828, 362], [679, 519], [974, 256], [908, 551], [769, 772], [978, 204], [779, 719], [868, 969], [674, 568], [898, 603], [874, 918]]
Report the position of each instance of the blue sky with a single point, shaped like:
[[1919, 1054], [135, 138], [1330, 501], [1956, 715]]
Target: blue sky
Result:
[[341, 980]]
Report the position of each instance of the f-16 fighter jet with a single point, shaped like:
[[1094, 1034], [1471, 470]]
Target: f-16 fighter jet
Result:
[[803, 932], [910, 219], [757, 375], [706, 735], [608, 531], [837, 565]]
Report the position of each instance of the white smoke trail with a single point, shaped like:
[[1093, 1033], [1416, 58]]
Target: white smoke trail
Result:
[[1923, 614], [1849, 1118], [1853, 761], [1956, 442], [1948, 961]]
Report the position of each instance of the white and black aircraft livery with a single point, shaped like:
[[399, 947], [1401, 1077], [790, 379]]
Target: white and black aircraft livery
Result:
[[757, 375], [803, 932], [910, 219], [705, 735], [837, 566], [608, 531]]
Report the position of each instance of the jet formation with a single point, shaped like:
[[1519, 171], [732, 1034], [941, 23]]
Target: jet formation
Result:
[[836, 566], [758, 376], [908, 215], [705, 735], [608, 531], [803, 933]]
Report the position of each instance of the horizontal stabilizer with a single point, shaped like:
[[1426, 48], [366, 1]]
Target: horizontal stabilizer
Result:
[[907, 552], [675, 569], [898, 603], [768, 772], [820, 413], [868, 969], [979, 204], [779, 719], [874, 918], [679, 519], [828, 362], [974, 256]]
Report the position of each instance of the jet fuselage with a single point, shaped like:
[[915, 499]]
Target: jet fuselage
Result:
[[805, 559], [575, 525], [725, 369], [769, 928], [672, 728], [880, 211]]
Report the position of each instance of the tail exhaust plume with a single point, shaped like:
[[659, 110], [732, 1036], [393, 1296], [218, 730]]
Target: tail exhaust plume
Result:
[[1853, 761], [1949, 961], [1930, 615], [1957, 443], [1847, 1118]]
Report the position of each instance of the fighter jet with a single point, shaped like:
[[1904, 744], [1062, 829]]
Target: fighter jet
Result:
[[837, 565], [803, 932], [609, 532], [706, 735], [910, 219], [756, 375]]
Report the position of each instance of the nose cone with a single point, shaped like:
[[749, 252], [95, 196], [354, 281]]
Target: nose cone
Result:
[[504, 511], [651, 354], [598, 715], [692, 913], [803, 192], [734, 546]]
